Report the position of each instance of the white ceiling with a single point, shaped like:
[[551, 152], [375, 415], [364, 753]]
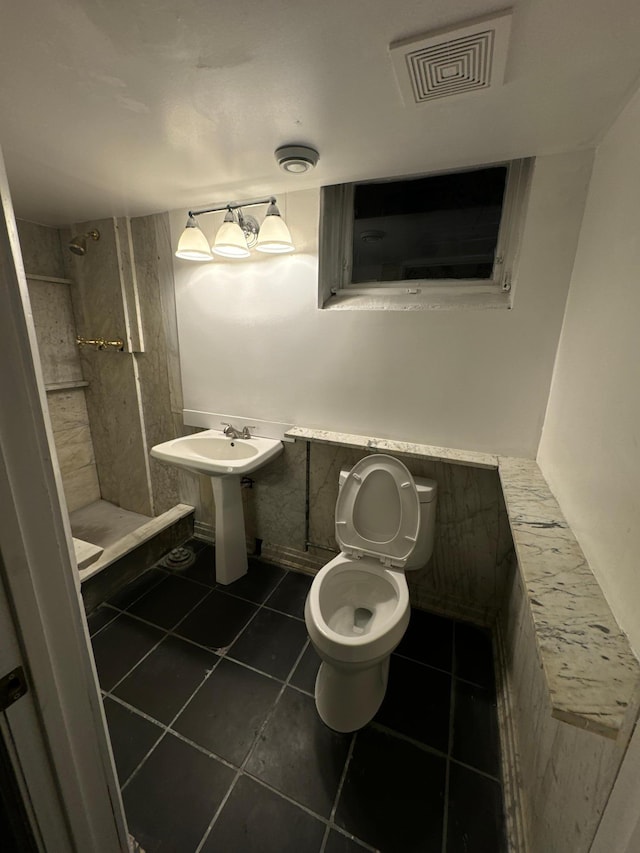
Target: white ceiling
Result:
[[115, 107]]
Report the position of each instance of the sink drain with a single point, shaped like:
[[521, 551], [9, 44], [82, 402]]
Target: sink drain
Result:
[[179, 558]]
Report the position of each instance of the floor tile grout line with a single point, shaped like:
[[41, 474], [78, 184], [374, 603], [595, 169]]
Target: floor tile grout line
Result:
[[447, 772], [247, 757], [168, 727], [171, 632], [477, 770], [328, 823], [102, 627], [424, 747], [137, 663], [445, 671], [153, 586], [243, 598], [166, 634], [218, 811], [343, 776], [141, 762], [221, 652], [421, 663], [240, 771]]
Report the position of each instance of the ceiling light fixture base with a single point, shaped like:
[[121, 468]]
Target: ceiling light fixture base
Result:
[[296, 159]]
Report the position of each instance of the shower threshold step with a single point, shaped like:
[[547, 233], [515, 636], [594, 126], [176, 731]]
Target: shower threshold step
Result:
[[115, 546]]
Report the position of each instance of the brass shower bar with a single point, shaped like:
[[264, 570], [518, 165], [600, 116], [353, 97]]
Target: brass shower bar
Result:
[[101, 343]]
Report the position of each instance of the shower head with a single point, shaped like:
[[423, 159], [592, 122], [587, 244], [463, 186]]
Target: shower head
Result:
[[78, 245]]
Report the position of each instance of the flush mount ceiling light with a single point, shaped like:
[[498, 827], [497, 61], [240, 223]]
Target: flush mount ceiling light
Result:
[[296, 159], [238, 233]]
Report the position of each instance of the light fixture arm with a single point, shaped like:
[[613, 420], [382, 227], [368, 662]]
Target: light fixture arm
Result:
[[233, 205]]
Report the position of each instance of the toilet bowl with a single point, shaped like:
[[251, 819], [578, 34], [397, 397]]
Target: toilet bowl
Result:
[[357, 609]]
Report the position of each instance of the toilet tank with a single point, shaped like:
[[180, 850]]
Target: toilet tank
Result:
[[427, 495]]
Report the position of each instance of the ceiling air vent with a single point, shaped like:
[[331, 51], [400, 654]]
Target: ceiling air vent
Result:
[[452, 62]]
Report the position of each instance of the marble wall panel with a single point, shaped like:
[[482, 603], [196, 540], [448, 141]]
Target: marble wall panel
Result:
[[41, 248], [81, 487], [275, 506], [113, 395], [74, 447], [150, 244], [114, 413], [56, 331], [167, 292], [129, 284], [565, 773], [60, 361], [67, 409], [97, 293], [464, 577]]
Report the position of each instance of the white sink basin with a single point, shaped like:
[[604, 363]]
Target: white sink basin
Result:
[[213, 453]]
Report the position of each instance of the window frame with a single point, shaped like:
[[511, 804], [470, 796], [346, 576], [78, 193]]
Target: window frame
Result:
[[336, 246]]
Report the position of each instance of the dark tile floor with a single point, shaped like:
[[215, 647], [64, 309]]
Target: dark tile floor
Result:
[[208, 693]]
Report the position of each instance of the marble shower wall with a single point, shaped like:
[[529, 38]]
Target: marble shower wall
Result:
[[159, 365], [50, 296], [120, 290]]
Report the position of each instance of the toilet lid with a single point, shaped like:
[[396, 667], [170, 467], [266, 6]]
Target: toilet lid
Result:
[[378, 511]]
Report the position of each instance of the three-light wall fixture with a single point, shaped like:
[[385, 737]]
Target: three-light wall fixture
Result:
[[238, 233]]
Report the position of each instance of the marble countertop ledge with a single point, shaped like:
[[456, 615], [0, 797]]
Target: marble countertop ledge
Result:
[[407, 448], [591, 672]]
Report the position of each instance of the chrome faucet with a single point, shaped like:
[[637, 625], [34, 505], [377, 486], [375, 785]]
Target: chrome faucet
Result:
[[233, 432], [229, 430]]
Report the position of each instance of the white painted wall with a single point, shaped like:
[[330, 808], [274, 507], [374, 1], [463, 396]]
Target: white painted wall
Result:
[[590, 447], [253, 343]]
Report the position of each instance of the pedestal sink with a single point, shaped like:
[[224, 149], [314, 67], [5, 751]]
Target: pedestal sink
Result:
[[225, 460]]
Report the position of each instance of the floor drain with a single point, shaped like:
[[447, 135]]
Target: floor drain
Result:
[[179, 558]]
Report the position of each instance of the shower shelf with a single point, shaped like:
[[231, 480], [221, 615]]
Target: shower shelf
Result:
[[64, 386], [49, 278]]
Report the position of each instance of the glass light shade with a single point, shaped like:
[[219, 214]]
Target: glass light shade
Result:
[[193, 245], [274, 236], [230, 241]]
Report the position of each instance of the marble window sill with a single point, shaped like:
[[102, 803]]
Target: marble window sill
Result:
[[591, 673], [376, 299]]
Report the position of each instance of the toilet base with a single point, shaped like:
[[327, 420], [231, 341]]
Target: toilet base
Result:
[[348, 699]]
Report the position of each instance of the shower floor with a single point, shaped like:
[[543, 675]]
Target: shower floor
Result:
[[103, 523], [208, 693]]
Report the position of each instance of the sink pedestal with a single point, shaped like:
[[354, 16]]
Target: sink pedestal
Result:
[[231, 546]]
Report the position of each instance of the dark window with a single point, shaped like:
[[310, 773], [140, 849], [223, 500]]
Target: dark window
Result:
[[439, 227]]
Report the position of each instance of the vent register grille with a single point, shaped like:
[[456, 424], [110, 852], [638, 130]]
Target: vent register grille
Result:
[[454, 62]]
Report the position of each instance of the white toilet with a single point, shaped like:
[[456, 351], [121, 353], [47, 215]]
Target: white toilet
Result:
[[358, 606]]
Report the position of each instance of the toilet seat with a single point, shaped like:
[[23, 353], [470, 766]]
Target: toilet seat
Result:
[[378, 511]]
